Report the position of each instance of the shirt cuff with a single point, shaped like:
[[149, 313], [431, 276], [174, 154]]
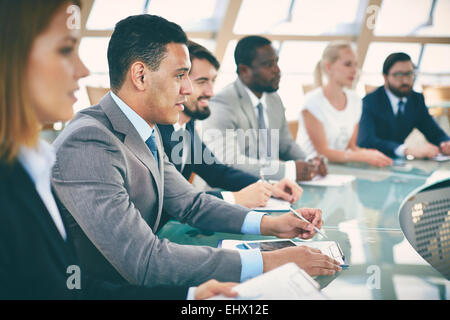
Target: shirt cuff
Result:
[[290, 170], [228, 197], [252, 223], [191, 293], [252, 263], [400, 151]]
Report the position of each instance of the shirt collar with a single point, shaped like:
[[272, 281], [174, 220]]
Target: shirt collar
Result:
[[142, 127], [177, 126], [38, 161], [254, 99], [394, 99]]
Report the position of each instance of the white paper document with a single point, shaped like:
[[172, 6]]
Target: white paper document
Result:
[[330, 180], [287, 282], [329, 248], [441, 158], [274, 205]]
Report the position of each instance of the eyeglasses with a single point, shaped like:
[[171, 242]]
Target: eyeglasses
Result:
[[400, 75]]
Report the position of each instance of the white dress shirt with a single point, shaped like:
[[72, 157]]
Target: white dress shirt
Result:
[[38, 163]]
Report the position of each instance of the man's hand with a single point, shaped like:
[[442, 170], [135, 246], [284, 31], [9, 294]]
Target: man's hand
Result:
[[254, 195], [213, 287], [445, 147], [311, 260], [289, 226], [424, 151], [287, 190], [305, 170], [320, 165], [373, 157]]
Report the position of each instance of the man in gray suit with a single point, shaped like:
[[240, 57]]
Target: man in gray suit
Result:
[[113, 178], [247, 127]]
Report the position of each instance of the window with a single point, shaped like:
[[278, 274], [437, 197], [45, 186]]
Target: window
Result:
[[106, 13], [305, 17]]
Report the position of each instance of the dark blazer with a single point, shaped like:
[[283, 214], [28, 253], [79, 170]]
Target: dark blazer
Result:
[[34, 257], [217, 174], [378, 127]]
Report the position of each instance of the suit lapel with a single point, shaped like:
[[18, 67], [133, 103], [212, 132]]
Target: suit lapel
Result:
[[27, 194], [161, 175], [388, 111], [166, 132], [246, 105], [134, 142]]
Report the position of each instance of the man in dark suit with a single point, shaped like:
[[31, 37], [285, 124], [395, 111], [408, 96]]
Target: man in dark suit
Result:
[[392, 111], [189, 154]]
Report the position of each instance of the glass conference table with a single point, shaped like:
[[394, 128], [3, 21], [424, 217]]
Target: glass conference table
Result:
[[363, 217]]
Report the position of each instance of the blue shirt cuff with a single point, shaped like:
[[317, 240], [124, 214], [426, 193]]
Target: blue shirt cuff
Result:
[[252, 223], [252, 263], [400, 151], [191, 293]]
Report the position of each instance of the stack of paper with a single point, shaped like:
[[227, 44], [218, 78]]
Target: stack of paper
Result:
[[287, 282]]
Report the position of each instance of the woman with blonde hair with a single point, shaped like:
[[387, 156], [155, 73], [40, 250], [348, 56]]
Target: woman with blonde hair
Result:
[[329, 119], [39, 71]]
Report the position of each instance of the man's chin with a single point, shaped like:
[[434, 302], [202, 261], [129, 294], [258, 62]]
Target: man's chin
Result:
[[400, 93], [197, 115], [271, 89]]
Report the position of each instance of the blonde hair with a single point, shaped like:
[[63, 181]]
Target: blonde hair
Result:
[[330, 54], [21, 21]]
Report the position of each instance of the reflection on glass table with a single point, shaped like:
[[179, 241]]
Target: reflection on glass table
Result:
[[372, 204], [383, 265], [420, 168]]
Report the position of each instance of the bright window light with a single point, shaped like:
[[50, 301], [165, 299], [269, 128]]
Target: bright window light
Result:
[[106, 13], [401, 17]]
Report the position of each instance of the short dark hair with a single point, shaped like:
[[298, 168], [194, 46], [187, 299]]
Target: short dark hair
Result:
[[141, 37], [245, 51], [392, 59], [197, 51]]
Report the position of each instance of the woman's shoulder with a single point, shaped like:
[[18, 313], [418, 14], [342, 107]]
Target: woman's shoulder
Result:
[[353, 97], [352, 94], [314, 98], [315, 93]]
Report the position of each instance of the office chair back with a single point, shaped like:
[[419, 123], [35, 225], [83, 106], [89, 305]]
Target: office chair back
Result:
[[425, 220]]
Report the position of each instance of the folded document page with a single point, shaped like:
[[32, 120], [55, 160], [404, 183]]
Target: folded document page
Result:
[[287, 282]]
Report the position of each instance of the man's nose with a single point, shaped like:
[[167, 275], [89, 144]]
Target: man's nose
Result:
[[186, 87]]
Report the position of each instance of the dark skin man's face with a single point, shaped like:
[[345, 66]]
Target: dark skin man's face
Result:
[[263, 75]]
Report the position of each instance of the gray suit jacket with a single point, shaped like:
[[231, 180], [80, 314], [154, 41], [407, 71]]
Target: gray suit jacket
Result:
[[108, 180], [232, 109]]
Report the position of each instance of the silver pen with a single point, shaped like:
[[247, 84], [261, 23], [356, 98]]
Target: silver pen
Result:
[[298, 215]]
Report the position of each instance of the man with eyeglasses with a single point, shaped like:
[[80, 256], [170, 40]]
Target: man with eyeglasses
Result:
[[392, 111]]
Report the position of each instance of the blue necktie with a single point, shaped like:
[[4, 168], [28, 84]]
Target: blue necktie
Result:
[[151, 144], [264, 143], [400, 111]]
